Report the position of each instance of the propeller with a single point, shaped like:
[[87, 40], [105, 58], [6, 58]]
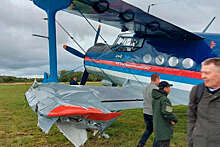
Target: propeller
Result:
[[79, 54], [73, 51], [97, 34]]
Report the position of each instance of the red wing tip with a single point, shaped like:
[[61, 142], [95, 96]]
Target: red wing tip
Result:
[[67, 110], [90, 113]]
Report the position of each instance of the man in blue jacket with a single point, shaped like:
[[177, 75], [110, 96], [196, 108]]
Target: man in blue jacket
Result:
[[74, 81]]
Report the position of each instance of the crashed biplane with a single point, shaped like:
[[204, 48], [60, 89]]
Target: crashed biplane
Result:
[[155, 46]]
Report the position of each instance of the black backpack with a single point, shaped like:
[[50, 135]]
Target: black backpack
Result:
[[199, 92]]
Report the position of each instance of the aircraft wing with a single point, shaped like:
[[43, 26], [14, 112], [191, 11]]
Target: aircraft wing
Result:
[[77, 108], [128, 18], [53, 100]]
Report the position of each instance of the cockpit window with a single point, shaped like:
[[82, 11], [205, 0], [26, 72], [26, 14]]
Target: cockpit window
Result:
[[128, 43]]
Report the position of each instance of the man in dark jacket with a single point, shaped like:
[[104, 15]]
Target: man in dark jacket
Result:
[[163, 117], [74, 81], [204, 118]]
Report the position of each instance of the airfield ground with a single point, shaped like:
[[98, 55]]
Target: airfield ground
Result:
[[18, 124]]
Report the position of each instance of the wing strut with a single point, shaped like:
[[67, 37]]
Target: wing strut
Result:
[[206, 28], [51, 7]]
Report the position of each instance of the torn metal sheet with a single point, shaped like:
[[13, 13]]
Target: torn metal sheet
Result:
[[78, 108], [75, 135]]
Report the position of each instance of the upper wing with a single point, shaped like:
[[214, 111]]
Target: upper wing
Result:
[[127, 17]]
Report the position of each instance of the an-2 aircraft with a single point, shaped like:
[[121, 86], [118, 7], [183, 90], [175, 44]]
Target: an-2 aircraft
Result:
[[155, 46]]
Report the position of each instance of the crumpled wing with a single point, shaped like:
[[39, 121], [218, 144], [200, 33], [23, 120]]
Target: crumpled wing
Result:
[[118, 98], [76, 135], [45, 97], [79, 107]]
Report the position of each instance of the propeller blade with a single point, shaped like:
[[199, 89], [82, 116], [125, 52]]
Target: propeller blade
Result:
[[73, 51], [97, 34], [84, 78]]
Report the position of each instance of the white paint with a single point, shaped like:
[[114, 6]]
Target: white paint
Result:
[[143, 79]]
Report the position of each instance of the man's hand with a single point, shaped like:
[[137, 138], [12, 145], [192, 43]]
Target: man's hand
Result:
[[172, 122]]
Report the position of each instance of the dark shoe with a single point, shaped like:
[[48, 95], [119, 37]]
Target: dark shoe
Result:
[[139, 145]]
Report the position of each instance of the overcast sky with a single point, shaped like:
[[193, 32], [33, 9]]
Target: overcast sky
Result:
[[21, 54]]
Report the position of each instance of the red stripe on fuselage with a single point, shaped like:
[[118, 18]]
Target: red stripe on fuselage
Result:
[[151, 68]]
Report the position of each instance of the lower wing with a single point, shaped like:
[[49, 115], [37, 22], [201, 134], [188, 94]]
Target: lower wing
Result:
[[78, 108]]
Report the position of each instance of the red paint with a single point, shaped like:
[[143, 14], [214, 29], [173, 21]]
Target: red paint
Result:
[[212, 44], [90, 113], [164, 70], [103, 116]]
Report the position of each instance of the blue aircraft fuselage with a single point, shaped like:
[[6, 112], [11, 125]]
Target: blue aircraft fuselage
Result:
[[174, 60]]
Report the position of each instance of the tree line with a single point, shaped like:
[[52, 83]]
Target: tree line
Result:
[[11, 79], [65, 76], [78, 75]]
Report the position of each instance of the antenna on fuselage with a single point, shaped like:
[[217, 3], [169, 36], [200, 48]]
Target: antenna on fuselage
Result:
[[206, 28]]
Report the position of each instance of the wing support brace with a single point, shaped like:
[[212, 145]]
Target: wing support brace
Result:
[[51, 7]]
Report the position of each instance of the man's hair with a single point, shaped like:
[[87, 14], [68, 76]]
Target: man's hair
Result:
[[154, 77], [215, 61]]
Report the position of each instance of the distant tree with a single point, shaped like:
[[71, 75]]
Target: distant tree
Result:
[[66, 78], [11, 79], [78, 75]]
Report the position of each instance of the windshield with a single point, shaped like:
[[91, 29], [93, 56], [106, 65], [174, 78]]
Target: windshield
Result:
[[128, 43]]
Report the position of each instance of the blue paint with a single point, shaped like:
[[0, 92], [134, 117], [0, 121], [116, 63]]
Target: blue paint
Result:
[[181, 79], [127, 57], [198, 50], [167, 40], [45, 77], [51, 7], [74, 52]]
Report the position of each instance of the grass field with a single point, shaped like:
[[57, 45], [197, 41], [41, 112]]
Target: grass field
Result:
[[18, 125]]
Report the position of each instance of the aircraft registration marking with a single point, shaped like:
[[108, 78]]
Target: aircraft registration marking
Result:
[[212, 44]]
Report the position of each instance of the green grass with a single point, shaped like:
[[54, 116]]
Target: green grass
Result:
[[18, 125]]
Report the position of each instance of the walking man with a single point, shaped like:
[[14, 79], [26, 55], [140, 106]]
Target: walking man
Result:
[[147, 110], [163, 117], [204, 107]]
